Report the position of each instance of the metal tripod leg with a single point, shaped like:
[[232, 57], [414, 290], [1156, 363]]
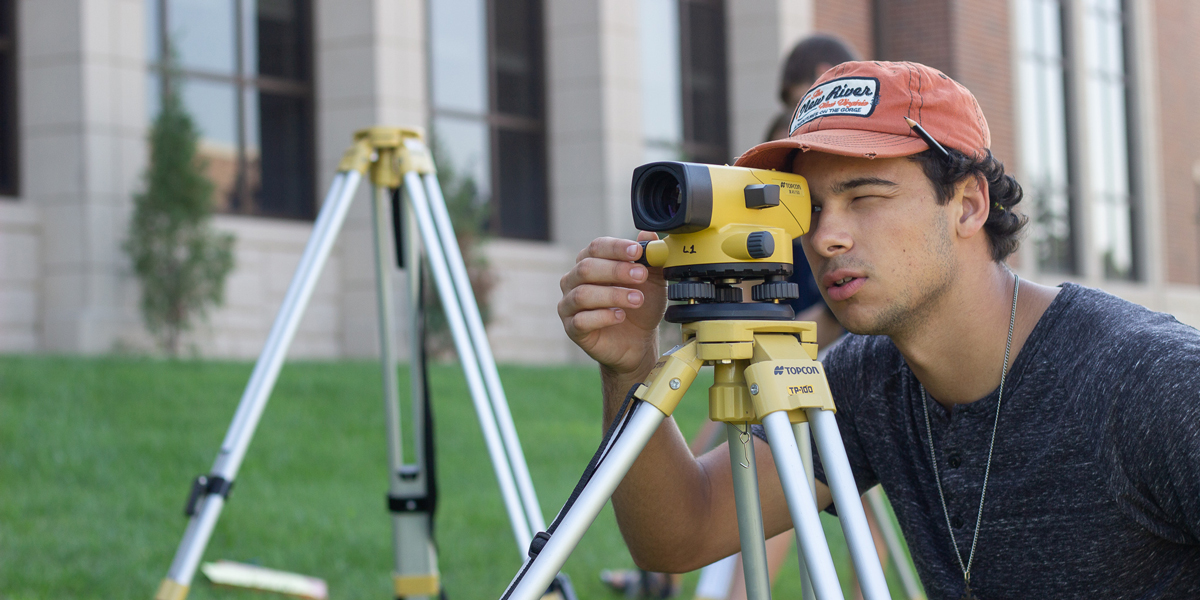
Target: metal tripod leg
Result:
[[749, 511], [539, 571], [415, 575], [487, 362], [803, 434], [501, 462], [208, 504], [810, 538], [849, 505], [891, 537]]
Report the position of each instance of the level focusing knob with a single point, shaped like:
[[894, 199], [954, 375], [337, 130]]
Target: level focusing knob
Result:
[[775, 290], [691, 290], [760, 244]]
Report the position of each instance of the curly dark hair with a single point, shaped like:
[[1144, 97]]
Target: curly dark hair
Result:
[[1003, 225]]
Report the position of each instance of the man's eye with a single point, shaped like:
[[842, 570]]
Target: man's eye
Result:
[[816, 209]]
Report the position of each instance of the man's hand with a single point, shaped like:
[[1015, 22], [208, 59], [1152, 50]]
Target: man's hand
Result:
[[611, 306]]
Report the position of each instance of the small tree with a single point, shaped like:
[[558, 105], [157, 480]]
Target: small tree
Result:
[[179, 259]]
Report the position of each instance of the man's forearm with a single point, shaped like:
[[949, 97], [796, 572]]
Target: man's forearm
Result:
[[615, 387], [664, 495]]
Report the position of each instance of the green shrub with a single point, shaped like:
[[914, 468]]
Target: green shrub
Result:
[[179, 259]]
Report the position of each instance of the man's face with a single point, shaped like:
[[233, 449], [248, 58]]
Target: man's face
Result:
[[880, 246]]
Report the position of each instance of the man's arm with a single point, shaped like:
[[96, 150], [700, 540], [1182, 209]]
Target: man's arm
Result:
[[676, 511]]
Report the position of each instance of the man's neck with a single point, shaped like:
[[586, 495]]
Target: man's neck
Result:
[[958, 351]]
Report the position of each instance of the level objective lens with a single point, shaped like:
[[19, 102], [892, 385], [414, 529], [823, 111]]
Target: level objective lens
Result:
[[663, 196]]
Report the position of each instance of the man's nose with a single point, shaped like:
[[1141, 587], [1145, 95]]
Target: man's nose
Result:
[[830, 235]]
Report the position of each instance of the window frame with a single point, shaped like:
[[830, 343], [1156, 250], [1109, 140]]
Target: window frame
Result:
[[243, 203], [694, 150], [497, 121]]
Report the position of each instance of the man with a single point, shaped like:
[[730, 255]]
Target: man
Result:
[[1091, 447]]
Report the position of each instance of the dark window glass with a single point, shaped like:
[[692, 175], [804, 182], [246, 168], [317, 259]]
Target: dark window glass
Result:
[[282, 44], [516, 57], [488, 126], [245, 70], [521, 189], [285, 125], [9, 165], [519, 206], [705, 107]]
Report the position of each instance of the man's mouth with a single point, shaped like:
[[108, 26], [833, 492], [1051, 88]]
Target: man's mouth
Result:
[[845, 287]]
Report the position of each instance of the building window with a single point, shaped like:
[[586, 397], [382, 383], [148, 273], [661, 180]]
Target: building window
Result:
[[9, 164], [662, 90], [487, 80], [1045, 143], [1108, 89], [684, 103], [244, 71], [705, 105]]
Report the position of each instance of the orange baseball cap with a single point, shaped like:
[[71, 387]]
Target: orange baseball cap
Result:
[[858, 109]]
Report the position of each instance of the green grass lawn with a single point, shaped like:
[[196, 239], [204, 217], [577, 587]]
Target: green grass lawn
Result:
[[97, 457]]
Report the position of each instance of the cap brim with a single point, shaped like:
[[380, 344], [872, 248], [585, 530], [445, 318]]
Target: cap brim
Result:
[[844, 142]]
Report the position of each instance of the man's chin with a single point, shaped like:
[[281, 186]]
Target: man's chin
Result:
[[855, 321]]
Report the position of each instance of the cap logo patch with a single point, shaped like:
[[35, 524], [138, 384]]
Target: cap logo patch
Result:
[[848, 96]]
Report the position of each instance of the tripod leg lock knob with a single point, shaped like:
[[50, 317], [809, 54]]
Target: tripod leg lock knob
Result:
[[205, 485], [539, 542]]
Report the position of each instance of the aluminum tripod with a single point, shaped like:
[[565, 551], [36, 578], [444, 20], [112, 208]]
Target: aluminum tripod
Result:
[[763, 373], [391, 158]]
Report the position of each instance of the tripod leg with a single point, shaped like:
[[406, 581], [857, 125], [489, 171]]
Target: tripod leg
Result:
[[466, 354], [895, 545], [849, 505], [487, 362], [803, 435], [810, 538], [208, 506], [749, 512], [415, 574], [539, 571]]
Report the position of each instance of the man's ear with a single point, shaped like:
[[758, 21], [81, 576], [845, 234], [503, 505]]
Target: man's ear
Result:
[[972, 193]]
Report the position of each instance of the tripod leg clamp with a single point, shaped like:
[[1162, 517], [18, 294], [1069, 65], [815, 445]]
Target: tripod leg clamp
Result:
[[410, 504], [669, 380], [206, 485], [779, 381]]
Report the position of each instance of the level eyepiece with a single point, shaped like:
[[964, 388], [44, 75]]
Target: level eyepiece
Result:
[[672, 197]]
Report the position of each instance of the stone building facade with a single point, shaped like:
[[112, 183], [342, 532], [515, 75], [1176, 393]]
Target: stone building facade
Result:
[[547, 107]]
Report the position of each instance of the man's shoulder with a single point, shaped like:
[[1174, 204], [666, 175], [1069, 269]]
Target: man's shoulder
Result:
[[1083, 315]]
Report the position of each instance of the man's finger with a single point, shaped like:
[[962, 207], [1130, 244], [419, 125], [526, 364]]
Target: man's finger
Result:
[[610, 248], [604, 272], [647, 236], [592, 297], [584, 323]]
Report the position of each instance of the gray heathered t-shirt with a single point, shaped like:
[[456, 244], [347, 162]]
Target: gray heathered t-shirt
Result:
[[1095, 479]]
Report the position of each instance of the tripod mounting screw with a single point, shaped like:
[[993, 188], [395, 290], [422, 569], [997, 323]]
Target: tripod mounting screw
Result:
[[754, 389], [675, 384]]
